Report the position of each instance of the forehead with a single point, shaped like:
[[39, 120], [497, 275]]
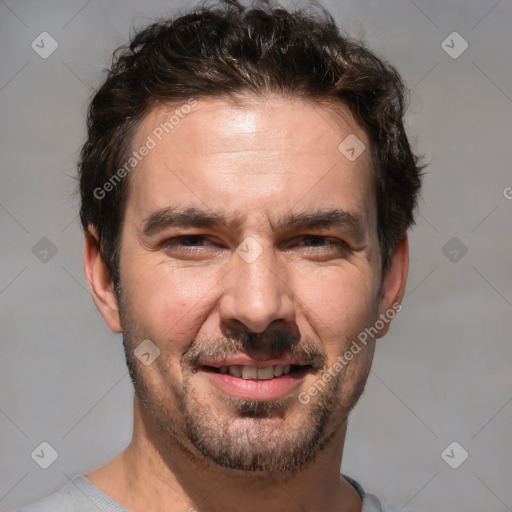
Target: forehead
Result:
[[263, 156]]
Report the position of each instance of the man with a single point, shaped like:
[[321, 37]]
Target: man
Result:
[[246, 189]]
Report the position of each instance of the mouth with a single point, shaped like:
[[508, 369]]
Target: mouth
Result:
[[256, 382], [246, 372]]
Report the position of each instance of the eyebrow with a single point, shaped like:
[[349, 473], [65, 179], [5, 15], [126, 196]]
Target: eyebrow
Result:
[[192, 217]]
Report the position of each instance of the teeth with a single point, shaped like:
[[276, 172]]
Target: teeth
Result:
[[236, 371], [266, 373], [249, 372], [252, 372]]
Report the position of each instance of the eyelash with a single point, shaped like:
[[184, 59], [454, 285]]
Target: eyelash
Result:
[[168, 244]]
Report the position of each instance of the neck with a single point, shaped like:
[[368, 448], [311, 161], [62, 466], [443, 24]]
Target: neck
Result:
[[154, 472]]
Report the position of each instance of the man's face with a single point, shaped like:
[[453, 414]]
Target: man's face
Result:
[[250, 241]]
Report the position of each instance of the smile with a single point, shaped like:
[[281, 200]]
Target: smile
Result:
[[253, 372], [252, 383]]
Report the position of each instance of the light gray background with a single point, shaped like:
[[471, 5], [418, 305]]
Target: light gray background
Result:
[[443, 373]]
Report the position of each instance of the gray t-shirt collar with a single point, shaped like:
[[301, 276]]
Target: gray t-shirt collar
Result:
[[370, 502]]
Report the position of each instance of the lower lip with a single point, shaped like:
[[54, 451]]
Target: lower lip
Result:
[[252, 389]]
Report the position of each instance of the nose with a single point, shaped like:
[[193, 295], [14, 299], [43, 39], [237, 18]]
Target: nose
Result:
[[257, 294]]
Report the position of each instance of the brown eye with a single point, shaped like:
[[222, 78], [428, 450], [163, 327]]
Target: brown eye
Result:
[[186, 240], [322, 241], [188, 245], [319, 247]]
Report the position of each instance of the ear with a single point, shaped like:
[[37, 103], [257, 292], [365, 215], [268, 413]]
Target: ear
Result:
[[100, 282], [393, 286]]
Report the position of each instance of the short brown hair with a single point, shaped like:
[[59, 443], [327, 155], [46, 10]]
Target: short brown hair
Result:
[[226, 50]]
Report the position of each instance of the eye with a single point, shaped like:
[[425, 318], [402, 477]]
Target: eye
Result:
[[319, 246], [188, 244], [186, 240], [322, 241]]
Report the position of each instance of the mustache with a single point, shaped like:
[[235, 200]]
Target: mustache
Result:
[[266, 345]]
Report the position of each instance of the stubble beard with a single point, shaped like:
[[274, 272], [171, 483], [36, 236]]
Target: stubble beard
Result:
[[252, 436]]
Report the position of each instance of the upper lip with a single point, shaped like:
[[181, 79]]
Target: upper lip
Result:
[[245, 360]]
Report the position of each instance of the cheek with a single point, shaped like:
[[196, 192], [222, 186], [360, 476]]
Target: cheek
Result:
[[167, 303], [339, 303], [339, 307]]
